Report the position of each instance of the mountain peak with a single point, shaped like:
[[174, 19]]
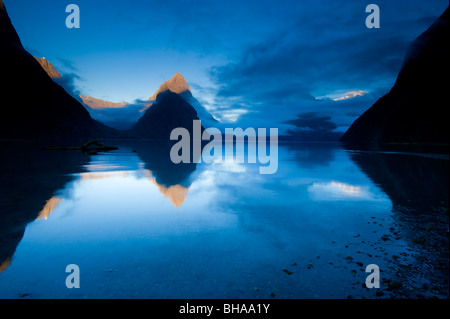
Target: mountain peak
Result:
[[177, 77], [170, 112], [51, 113], [177, 84], [8, 35]]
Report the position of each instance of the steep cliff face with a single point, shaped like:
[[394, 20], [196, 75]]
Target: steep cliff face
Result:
[[32, 105], [416, 108], [167, 113], [178, 84], [8, 34], [49, 68]]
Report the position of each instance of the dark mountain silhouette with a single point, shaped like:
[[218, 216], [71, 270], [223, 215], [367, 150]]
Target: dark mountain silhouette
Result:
[[33, 106], [416, 108], [207, 119], [120, 116], [124, 116], [168, 112], [178, 84]]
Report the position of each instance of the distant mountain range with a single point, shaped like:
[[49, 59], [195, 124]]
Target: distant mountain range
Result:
[[416, 108], [120, 116], [124, 115], [35, 106], [97, 104]]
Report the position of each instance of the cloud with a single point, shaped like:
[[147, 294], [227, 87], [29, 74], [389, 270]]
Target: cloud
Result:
[[141, 105], [68, 64], [336, 191], [67, 81], [327, 49], [343, 95], [313, 122], [326, 64], [312, 126], [231, 115]]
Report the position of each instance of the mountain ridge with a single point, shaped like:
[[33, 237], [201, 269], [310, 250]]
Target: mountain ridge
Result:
[[49, 68], [169, 112], [52, 112], [124, 115], [33, 105], [414, 110], [95, 103], [177, 84]]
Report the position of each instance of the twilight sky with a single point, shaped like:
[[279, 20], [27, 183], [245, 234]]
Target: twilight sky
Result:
[[256, 63]]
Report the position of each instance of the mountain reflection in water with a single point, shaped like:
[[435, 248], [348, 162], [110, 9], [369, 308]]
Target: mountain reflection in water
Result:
[[140, 226], [35, 182]]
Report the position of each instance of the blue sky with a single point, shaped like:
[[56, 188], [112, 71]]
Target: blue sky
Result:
[[259, 63]]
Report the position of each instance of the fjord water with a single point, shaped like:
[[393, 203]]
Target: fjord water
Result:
[[139, 226]]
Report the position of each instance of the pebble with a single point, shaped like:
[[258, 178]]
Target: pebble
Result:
[[287, 271]]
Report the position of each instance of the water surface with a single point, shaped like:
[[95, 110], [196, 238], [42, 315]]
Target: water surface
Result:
[[139, 226]]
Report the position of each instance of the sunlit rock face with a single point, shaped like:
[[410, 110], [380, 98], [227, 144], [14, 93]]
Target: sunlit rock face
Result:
[[415, 110], [49, 68], [96, 104], [177, 84], [5, 264], [124, 115], [50, 205]]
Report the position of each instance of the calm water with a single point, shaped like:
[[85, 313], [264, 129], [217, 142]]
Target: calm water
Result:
[[139, 226]]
